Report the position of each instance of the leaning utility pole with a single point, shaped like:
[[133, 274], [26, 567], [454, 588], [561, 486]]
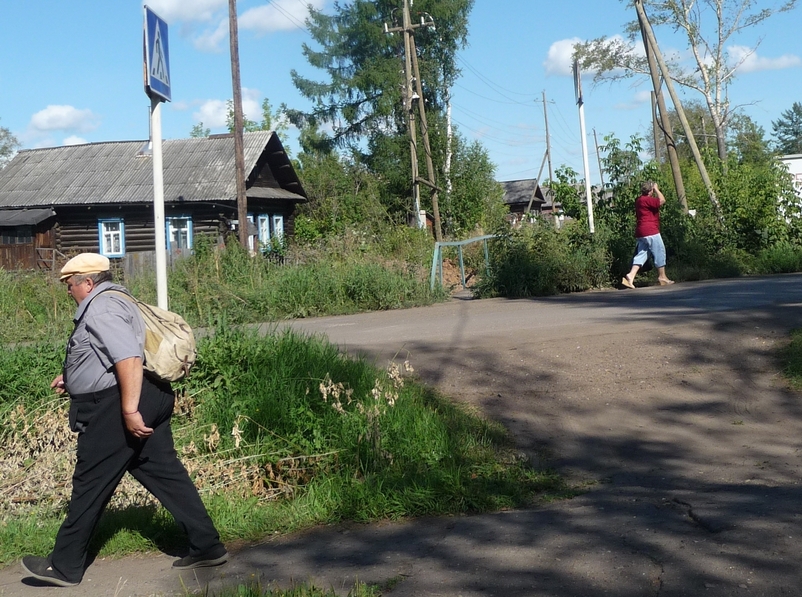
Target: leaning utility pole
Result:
[[239, 151], [665, 121], [652, 45], [414, 91], [548, 139], [438, 231]]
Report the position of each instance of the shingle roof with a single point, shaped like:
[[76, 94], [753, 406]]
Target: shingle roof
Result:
[[199, 169], [520, 191]]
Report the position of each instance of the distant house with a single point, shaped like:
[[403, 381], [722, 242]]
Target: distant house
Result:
[[99, 197], [794, 163], [526, 194], [523, 195]]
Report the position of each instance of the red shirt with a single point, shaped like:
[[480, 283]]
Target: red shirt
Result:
[[647, 212]]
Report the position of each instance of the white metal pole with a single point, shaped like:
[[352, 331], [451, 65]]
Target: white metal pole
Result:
[[158, 203], [591, 225]]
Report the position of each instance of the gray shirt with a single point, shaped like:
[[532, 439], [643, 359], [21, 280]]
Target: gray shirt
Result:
[[108, 329]]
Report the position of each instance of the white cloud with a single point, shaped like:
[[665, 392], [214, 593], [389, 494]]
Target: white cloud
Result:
[[182, 10], [640, 98], [211, 40], [212, 113], [559, 59], [279, 15], [74, 140], [63, 118], [749, 61]]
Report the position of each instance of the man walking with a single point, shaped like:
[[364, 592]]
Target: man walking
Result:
[[122, 418], [647, 233]]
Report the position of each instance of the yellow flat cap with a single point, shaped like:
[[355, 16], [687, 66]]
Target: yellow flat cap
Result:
[[85, 263]]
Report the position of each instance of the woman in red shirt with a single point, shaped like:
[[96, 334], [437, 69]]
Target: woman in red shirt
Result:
[[647, 233]]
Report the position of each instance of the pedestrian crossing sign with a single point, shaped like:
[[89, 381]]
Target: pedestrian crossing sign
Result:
[[157, 57]]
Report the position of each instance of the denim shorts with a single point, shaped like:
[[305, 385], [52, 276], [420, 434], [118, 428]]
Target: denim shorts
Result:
[[650, 244]]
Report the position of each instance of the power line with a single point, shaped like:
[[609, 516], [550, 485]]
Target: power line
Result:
[[489, 83], [289, 16]]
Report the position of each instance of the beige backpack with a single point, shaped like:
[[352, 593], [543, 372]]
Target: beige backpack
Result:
[[169, 342]]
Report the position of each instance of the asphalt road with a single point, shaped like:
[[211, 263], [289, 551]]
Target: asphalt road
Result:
[[665, 404]]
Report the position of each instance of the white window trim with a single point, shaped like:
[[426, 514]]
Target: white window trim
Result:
[[101, 235], [190, 234]]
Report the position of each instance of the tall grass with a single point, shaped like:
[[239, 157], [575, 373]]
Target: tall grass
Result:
[[215, 285], [229, 283], [279, 432]]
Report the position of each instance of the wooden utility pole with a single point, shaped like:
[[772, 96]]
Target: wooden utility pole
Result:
[[239, 150], [431, 182], [651, 44], [548, 148], [655, 126], [598, 159], [414, 91], [665, 121]]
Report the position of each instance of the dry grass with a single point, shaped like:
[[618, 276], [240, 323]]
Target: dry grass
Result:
[[39, 454]]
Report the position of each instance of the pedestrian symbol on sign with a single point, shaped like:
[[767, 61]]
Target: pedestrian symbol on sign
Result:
[[157, 57], [158, 65]]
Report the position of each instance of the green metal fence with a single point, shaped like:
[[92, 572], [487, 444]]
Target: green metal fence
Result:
[[437, 257]]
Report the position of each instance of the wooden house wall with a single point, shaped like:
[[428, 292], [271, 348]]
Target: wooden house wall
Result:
[[28, 255], [77, 230]]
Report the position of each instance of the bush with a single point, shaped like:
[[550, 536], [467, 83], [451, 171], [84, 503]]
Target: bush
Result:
[[537, 260]]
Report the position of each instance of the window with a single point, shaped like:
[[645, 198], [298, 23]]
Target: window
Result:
[[112, 237], [21, 235], [278, 227], [270, 230], [179, 233], [264, 230]]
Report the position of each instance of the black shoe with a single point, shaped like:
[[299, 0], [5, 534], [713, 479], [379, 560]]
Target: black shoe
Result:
[[40, 569], [211, 558]]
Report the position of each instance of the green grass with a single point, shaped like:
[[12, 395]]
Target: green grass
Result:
[[280, 433], [227, 285]]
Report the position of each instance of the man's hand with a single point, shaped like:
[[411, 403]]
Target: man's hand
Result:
[[129, 377], [58, 384], [136, 425], [658, 194]]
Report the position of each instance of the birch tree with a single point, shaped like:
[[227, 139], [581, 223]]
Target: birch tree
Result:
[[709, 28]]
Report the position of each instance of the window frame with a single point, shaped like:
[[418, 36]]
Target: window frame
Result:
[[190, 232], [103, 249]]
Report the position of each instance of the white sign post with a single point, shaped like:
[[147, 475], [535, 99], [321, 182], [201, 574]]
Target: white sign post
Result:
[[157, 87], [581, 103]]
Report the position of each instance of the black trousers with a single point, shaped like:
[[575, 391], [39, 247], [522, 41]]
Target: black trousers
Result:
[[105, 452]]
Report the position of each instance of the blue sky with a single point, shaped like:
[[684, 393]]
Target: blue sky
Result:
[[71, 72]]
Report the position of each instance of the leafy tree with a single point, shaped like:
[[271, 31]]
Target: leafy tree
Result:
[[8, 146], [715, 65], [272, 120], [361, 101], [199, 131], [343, 193], [788, 130], [476, 198], [744, 136], [747, 141], [363, 95]]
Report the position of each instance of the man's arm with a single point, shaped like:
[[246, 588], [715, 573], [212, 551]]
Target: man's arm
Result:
[[129, 378], [658, 194]]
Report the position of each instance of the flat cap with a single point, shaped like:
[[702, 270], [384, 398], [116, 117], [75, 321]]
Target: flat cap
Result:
[[85, 263]]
